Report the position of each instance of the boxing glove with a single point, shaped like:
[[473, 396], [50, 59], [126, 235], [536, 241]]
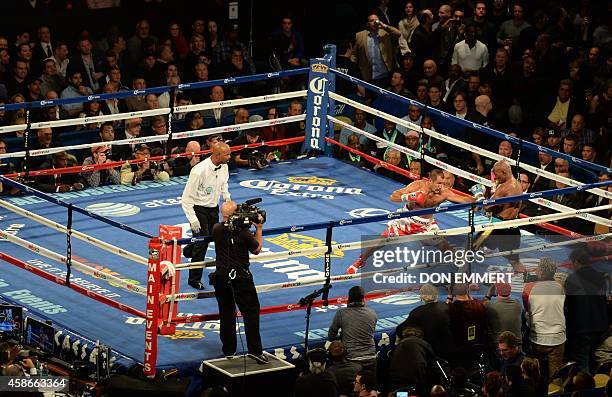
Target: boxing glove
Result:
[[418, 197], [478, 191]]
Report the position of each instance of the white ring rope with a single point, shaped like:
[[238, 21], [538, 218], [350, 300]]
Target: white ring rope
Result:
[[81, 236], [416, 155], [545, 246], [90, 271], [542, 201], [314, 280], [238, 127], [99, 119], [160, 138], [13, 128], [239, 102], [414, 237], [475, 149]]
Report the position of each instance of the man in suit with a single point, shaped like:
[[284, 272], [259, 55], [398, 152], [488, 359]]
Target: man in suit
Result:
[[217, 114], [42, 50], [374, 51]]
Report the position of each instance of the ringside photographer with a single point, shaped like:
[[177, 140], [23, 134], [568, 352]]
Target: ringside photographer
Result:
[[258, 157], [232, 279]]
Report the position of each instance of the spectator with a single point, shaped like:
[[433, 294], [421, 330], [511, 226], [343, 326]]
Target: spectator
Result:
[[484, 107], [543, 301], [179, 42], [517, 386], [51, 79], [374, 52], [357, 322], [43, 48], [288, 45], [585, 310], [485, 30], [562, 108], [530, 368], [473, 81], [510, 30], [135, 44], [499, 76], [222, 52], [454, 83], [60, 56], [33, 93], [470, 54], [318, 381], [444, 35], [89, 64], [589, 152], [212, 34], [98, 177], [509, 349], [365, 384], [356, 159], [503, 314], [433, 318], [359, 121], [467, 324], [434, 98], [237, 67], [58, 183], [414, 116], [197, 46], [493, 385], [430, 73], [136, 102], [553, 140], [182, 165], [578, 128], [421, 41], [344, 370], [412, 362], [407, 26], [17, 83], [217, 94], [570, 145]]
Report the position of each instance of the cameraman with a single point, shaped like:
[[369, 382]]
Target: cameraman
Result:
[[251, 157], [95, 178], [234, 284]]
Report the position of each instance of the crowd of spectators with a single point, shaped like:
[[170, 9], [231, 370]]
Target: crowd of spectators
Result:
[[537, 70], [557, 333]]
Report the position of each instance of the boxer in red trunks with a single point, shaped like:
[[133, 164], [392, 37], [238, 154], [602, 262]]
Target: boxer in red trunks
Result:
[[417, 195]]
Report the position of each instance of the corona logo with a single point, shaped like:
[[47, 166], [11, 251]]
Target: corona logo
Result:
[[533, 195], [275, 74], [43, 103], [298, 242], [181, 86], [230, 80], [296, 228], [93, 97], [182, 334], [319, 68], [345, 222], [312, 180], [138, 92], [87, 168]]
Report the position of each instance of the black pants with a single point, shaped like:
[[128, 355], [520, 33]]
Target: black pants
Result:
[[207, 216], [506, 240], [246, 298]]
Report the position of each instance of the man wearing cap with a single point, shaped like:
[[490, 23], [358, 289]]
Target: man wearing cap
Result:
[[101, 176], [554, 139], [357, 322], [503, 314], [200, 201], [252, 136], [132, 174]]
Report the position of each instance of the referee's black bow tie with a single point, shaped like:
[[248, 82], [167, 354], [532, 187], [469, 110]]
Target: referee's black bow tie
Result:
[[218, 168]]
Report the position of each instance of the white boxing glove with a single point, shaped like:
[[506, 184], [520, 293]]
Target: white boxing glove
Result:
[[167, 269], [195, 226]]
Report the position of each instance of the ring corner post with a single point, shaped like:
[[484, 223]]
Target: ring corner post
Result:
[[169, 286], [152, 309], [329, 51], [317, 104]]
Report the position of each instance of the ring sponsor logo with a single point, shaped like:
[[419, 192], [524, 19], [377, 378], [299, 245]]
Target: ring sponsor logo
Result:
[[296, 243], [345, 222], [47, 102], [230, 80], [87, 168], [113, 209], [319, 189], [319, 68], [534, 195], [317, 87], [30, 300], [366, 212], [181, 86], [138, 92], [275, 74], [93, 97], [296, 228], [313, 180]]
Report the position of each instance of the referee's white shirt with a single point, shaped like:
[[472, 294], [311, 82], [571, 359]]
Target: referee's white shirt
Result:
[[204, 187]]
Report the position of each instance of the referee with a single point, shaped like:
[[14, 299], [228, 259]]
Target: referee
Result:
[[200, 201]]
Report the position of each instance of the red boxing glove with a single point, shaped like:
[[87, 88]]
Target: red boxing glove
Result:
[[418, 197]]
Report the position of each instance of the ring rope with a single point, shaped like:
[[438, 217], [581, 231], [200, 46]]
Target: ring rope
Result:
[[80, 235], [415, 154], [463, 145], [239, 102], [75, 287], [314, 280], [401, 239], [100, 119], [90, 271]]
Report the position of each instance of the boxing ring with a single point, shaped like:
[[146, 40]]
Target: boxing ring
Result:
[[120, 246]]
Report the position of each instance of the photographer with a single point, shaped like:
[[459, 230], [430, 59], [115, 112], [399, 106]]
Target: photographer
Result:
[[95, 178], [258, 157], [233, 282], [132, 174]]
